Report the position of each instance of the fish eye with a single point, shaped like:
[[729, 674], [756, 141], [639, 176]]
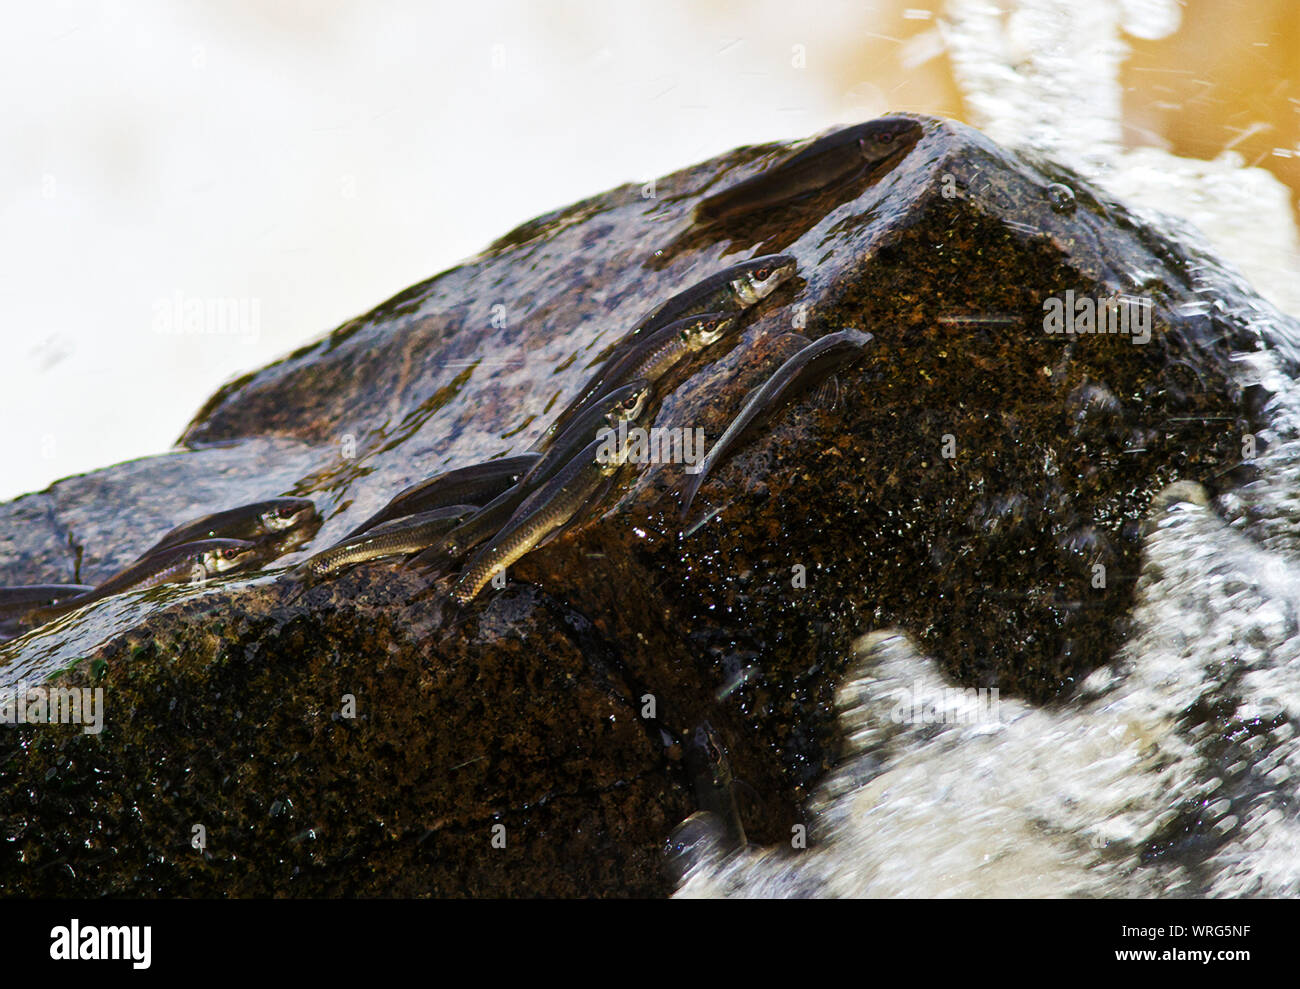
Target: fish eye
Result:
[[763, 273]]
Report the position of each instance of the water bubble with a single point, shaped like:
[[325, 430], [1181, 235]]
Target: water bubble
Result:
[[1061, 197]]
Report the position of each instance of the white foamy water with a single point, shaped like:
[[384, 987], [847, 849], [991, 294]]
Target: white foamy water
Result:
[[1044, 74], [1171, 771], [1086, 798]]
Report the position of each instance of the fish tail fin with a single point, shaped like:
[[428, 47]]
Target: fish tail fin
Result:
[[430, 563], [691, 490]]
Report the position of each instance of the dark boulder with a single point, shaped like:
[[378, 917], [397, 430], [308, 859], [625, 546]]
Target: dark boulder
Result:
[[964, 481]]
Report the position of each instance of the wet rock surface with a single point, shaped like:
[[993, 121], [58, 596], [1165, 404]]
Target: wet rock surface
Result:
[[962, 482]]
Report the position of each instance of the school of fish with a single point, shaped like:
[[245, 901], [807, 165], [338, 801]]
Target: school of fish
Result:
[[472, 523]]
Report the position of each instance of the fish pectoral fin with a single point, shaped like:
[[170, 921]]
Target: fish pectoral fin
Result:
[[828, 392], [430, 563], [556, 533], [705, 519]]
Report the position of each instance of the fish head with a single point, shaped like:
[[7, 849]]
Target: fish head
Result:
[[288, 513], [887, 136], [710, 755], [760, 278], [449, 547], [611, 449], [628, 402], [230, 555], [708, 328]]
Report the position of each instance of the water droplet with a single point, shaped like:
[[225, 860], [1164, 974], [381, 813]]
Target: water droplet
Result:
[[1061, 197]]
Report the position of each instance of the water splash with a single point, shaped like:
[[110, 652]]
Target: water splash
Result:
[[1044, 75], [1169, 772]]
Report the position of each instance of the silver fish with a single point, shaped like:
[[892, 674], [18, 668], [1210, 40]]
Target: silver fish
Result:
[[810, 366], [822, 163], [655, 355], [736, 288], [474, 485], [251, 522], [173, 565], [709, 767], [622, 404], [22, 598], [400, 537], [543, 514]]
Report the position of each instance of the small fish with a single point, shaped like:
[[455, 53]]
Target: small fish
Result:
[[823, 163], [810, 366], [249, 522], [709, 768], [473, 485], [623, 404], [739, 287], [173, 565], [22, 598], [543, 514], [660, 352], [736, 288], [656, 355], [409, 534], [452, 547]]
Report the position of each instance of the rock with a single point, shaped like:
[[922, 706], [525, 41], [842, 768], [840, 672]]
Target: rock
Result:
[[971, 476]]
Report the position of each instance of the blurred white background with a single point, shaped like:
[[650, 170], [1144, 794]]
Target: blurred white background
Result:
[[310, 159]]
